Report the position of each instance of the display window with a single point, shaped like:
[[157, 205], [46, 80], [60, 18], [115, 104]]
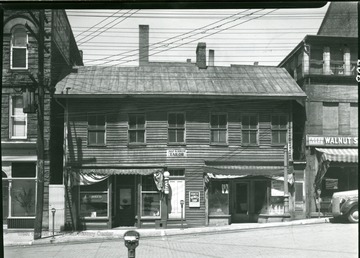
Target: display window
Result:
[[94, 200], [150, 198]]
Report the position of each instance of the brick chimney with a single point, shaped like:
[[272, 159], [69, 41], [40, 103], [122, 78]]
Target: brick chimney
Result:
[[211, 57], [201, 55], [143, 44]]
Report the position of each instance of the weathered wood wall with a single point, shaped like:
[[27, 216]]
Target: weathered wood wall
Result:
[[197, 113]]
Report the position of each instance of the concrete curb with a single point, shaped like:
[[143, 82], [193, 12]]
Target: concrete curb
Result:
[[26, 238]]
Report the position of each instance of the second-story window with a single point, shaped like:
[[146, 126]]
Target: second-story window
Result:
[[19, 52], [218, 127], [176, 127], [136, 128], [96, 130], [250, 127], [18, 119], [279, 129]]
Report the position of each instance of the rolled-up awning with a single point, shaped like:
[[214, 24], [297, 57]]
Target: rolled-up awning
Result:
[[327, 155], [241, 171], [119, 171], [349, 155]]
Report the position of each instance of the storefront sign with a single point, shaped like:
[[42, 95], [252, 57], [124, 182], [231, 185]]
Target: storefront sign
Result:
[[331, 140], [94, 198], [176, 153], [194, 199], [277, 188]]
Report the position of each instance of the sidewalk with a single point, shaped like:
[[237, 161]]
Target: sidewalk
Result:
[[21, 238]]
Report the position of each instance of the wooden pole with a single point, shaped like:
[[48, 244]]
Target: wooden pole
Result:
[[40, 132], [286, 188]]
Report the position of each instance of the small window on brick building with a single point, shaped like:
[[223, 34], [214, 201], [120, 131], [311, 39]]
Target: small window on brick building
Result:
[[19, 52]]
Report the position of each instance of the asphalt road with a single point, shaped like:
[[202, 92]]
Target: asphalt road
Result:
[[317, 240]]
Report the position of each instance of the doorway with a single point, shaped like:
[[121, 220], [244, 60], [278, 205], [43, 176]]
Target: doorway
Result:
[[248, 197], [125, 201]]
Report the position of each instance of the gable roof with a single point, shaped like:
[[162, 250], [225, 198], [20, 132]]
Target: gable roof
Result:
[[341, 19], [180, 80]]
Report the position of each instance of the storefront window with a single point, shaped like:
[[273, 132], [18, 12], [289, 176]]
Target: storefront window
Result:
[[150, 197], [218, 198], [23, 189], [94, 200]]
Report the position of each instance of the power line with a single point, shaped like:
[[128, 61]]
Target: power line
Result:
[[97, 24]]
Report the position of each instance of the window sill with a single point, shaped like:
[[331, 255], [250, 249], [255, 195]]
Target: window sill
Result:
[[220, 144], [136, 145], [176, 144], [278, 144], [95, 218], [98, 145], [250, 145]]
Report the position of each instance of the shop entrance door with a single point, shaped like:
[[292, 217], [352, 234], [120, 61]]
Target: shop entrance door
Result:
[[241, 201], [125, 201]]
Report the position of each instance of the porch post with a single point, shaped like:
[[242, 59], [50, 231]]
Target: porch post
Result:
[[286, 189]]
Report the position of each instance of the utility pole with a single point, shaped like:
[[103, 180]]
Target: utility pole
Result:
[[40, 120]]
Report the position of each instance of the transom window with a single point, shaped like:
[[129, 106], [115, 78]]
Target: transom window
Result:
[[279, 129], [96, 130], [249, 129], [218, 127], [19, 52], [18, 119], [176, 127], [136, 128]]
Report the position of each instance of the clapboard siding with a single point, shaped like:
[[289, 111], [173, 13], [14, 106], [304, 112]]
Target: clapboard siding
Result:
[[197, 132]]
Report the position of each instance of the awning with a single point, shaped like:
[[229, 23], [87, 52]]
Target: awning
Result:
[[339, 154], [327, 155], [241, 171], [88, 176], [118, 171]]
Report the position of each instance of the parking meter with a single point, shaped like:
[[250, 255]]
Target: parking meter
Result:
[[131, 239]]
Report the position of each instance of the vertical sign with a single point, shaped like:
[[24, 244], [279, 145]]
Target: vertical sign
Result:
[[194, 199]]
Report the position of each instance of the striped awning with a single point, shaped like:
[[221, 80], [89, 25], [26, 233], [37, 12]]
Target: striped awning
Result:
[[118, 171], [349, 155]]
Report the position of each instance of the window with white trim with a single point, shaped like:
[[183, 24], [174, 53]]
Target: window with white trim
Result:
[[249, 129], [18, 119], [176, 128], [150, 197], [218, 128], [279, 127], [136, 128], [96, 130], [19, 51]]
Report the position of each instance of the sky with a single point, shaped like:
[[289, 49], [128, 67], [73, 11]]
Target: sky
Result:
[[238, 36]]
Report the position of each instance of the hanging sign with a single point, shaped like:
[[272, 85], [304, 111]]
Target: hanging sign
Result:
[[194, 199], [312, 140], [176, 153]]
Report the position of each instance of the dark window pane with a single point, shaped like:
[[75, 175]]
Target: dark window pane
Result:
[[245, 122], [222, 121], [253, 122], [101, 120], [222, 136], [172, 136], [141, 137], [172, 120], [180, 120], [253, 137], [132, 121], [100, 138], [24, 169], [141, 121], [180, 135], [19, 58], [132, 136], [148, 183], [283, 122], [91, 119], [245, 137], [214, 121], [92, 137], [282, 136], [214, 136], [275, 137], [19, 37]]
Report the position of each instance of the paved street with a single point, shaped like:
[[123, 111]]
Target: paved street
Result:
[[319, 240]]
